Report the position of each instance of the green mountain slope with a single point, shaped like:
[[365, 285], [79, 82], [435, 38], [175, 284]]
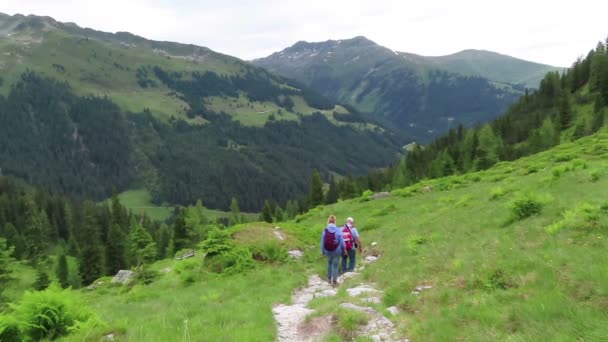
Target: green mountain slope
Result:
[[421, 95], [490, 65], [108, 111], [139, 74]]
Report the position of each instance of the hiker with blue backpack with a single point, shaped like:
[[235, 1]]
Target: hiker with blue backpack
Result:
[[333, 247], [352, 241]]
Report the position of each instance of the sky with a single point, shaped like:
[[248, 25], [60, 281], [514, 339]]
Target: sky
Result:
[[550, 32]]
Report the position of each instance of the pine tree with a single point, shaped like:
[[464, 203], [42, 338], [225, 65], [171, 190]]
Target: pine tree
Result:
[[316, 189], [116, 249], [565, 112], [42, 281], [36, 234], [119, 213], [279, 214], [91, 253], [333, 193], [267, 212], [62, 271], [235, 217], [490, 147], [181, 235], [6, 261], [164, 240], [291, 209], [143, 247], [15, 240]]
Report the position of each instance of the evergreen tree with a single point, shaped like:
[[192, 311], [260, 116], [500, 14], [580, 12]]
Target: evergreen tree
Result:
[[143, 247], [36, 234], [73, 247], [279, 214], [490, 147], [333, 193], [267, 212], [116, 249], [235, 212], [14, 239], [164, 240], [42, 281], [291, 209], [196, 222], [91, 252], [119, 213], [6, 261], [565, 111], [181, 234], [62, 271], [316, 189]]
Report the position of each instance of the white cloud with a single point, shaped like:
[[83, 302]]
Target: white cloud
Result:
[[553, 32]]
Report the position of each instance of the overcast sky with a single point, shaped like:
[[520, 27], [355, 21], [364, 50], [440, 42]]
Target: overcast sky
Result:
[[552, 32]]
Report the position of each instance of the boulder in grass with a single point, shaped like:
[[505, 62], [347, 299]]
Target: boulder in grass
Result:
[[123, 277]]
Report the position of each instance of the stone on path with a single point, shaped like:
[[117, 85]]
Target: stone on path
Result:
[[296, 254], [291, 319], [378, 328], [393, 310], [370, 258], [357, 291]]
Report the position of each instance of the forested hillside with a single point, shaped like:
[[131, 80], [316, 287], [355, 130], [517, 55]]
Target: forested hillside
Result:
[[84, 112], [566, 107]]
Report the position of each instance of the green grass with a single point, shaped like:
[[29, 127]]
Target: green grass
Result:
[[140, 202], [494, 278], [214, 308], [541, 277]]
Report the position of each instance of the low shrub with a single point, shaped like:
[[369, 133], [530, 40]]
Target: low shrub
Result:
[[46, 315], [222, 255], [497, 192], [525, 206], [594, 175], [349, 322]]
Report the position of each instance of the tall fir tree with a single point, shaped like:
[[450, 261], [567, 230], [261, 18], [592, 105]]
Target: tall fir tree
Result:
[[164, 241], [333, 193], [267, 212], [142, 246], [316, 189], [116, 249], [235, 212], [42, 281], [6, 261], [36, 234], [92, 263], [62, 272]]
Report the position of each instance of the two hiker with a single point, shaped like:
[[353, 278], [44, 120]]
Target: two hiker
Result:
[[339, 243]]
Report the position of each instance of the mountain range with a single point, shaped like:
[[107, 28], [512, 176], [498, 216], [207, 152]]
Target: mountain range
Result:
[[422, 96]]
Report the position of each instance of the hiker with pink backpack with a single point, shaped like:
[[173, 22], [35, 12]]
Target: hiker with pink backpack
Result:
[[352, 241], [333, 247]]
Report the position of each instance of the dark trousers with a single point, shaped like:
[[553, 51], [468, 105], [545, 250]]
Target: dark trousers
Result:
[[350, 258]]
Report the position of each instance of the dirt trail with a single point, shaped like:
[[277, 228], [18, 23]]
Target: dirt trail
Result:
[[293, 326]]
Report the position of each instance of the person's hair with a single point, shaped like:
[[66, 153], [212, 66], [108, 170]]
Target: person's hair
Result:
[[350, 219], [331, 219]]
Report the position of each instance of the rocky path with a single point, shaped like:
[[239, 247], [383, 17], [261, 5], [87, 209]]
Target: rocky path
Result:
[[291, 319]]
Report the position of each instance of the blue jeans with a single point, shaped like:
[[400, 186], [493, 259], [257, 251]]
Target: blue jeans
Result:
[[332, 267], [351, 260]]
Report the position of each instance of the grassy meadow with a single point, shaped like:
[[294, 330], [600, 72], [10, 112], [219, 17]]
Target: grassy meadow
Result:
[[514, 253]]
